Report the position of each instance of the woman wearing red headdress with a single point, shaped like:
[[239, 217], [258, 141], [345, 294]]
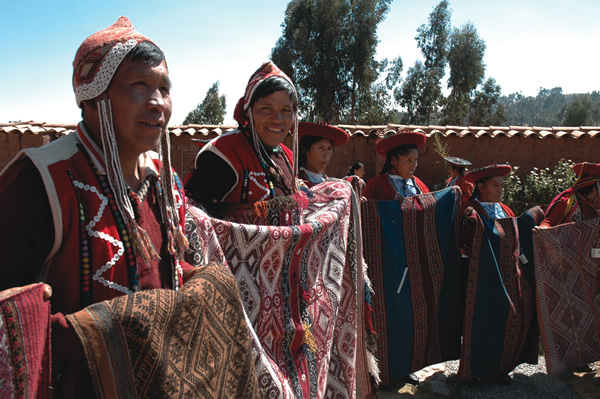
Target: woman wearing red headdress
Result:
[[580, 202], [488, 184], [397, 178], [317, 141], [251, 164]]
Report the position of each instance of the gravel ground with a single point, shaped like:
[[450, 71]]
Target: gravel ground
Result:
[[528, 381]]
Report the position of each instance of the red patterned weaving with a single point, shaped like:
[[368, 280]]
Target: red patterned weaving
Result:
[[301, 286], [568, 300]]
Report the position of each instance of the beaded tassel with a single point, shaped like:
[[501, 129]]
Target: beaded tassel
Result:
[[141, 241]]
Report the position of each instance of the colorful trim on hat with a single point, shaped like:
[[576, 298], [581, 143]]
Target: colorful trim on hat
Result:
[[495, 169], [100, 55], [456, 161], [392, 140], [266, 70], [335, 134]]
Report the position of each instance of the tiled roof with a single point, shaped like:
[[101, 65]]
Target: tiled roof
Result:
[[377, 130]]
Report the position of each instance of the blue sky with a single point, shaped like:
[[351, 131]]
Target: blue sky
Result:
[[530, 44]]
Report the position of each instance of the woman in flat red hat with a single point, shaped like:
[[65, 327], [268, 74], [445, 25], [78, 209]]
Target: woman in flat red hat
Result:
[[317, 141], [397, 178], [580, 202], [488, 184]]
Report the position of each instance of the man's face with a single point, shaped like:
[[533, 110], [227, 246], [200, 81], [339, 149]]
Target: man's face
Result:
[[273, 117], [141, 106]]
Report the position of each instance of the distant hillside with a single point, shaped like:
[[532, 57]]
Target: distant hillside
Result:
[[551, 108]]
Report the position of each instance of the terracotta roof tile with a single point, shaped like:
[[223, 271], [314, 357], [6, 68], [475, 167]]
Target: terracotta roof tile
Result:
[[32, 127]]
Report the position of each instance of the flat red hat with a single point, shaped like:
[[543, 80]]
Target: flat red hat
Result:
[[335, 134], [392, 140], [495, 169], [587, 169]]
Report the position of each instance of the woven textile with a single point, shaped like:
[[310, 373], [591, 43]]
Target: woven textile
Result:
[[412, 252], [568, 300], [164, 343], [302, 287], [499, 304], [25, 345]]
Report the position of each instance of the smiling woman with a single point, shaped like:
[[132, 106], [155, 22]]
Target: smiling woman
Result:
[[250, 164]]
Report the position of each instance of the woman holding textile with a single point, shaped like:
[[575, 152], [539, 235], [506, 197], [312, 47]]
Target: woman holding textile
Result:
[[580, 202], [397, 178], [317, 142], [251, 164], [488, 186]]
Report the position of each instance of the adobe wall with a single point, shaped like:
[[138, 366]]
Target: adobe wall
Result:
[[12, 143], [525, 152]]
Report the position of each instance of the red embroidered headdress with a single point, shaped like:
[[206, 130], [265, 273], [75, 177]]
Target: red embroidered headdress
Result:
[[266, 70], [100, 55]]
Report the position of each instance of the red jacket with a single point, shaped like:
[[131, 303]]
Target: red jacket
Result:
[[382, 188], [465, 187]]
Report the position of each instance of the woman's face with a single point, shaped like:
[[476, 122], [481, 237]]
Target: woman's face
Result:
[[451, 171], [491, 189], [273, 117], [405, 165], [319, 155], [360, 172]]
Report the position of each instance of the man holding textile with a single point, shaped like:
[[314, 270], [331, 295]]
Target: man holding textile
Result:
[[98, 214]]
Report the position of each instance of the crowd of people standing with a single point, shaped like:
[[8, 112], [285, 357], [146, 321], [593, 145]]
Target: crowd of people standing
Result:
[[249, 280]]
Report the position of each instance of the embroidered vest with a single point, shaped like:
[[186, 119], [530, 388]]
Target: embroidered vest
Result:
[[90, 235], [251, 183]]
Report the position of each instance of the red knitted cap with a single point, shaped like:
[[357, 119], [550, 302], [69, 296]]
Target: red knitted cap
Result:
[[100, 55]]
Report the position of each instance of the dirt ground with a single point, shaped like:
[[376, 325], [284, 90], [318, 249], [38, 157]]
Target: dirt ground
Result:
[[576, 385]]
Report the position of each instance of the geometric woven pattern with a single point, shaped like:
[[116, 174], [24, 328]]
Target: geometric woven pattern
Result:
[[171, 344], [302, 287], [568, 288]]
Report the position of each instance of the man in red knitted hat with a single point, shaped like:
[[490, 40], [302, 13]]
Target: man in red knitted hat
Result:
[[99, 214]]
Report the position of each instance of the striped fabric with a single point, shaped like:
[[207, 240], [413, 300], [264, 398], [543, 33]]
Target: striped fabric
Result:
[[25, 345]]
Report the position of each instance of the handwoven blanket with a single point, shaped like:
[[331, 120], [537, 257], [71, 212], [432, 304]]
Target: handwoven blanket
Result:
[[412, 252], [568, 299], [302, 286], [499, 300], [162, 343], [25, 345]]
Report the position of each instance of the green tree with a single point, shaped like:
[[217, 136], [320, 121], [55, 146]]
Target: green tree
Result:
[[578, 112], [484, 111], [467, 70], [432, 39], [211, 111], [545, 109], [328, 48]]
